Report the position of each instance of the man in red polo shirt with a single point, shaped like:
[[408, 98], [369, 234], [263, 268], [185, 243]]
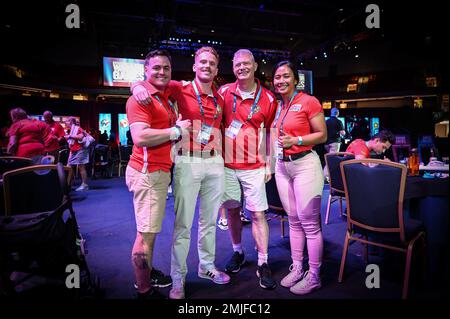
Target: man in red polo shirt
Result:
[[57, 133], [153, 129], [249, 109], [198, 169], [378, 144]]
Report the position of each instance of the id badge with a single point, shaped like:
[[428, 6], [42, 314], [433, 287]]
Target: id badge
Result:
[[205, 134], [234, 129], [278, 151]]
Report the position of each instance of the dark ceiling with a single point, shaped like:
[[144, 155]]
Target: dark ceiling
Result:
[[325, 35], [276, 27]]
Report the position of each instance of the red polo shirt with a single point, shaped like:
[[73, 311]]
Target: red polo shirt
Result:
[[158, 116], [358, 147], [31, 135], [57, 131], [296, 117], [183, 92], [247, 150], [76, 146]]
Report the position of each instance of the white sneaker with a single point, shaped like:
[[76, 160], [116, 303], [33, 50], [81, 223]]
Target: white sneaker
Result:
[[309, 283], [215, 275], [295, 275], [177, 291], [222, 223], [82, 187]]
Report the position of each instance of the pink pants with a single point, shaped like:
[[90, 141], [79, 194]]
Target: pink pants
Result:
[[300, 186]]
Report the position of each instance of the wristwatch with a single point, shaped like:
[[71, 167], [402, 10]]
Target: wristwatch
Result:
[[175, 133], [300, 140]]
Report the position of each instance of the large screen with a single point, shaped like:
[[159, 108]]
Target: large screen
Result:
[[374, 126], [305, 83], [123, 128], [104, 123], [358, 127], [122, 72]]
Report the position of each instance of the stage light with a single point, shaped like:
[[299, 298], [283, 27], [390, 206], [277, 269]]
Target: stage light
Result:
[[212, 30], [198, 41], [356, 56]]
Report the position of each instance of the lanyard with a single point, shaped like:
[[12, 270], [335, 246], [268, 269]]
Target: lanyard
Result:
[[171, 119], [252, 110], [287, 110], [200, 105]]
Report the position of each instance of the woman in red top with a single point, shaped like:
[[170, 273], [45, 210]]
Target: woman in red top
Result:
[[27, 137], [78, 154], [299, 125]]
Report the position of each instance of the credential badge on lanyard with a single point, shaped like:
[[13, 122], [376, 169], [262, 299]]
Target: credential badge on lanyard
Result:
[[233, 130], [278, 149], [205, 133]]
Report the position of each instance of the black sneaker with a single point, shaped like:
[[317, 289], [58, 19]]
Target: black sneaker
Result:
[[244, 218], [158, 279], [265, 277], [235, 263], [150, 294]]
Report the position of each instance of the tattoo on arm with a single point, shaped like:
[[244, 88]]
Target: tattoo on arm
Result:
[[140, 260]]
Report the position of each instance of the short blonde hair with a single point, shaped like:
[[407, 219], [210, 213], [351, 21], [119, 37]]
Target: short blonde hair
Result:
[[207, 49], [243, 51]]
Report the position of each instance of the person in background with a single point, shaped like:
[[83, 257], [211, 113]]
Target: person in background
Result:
[[129, 138], [377, 144], [57, 134], [27, 137], [299, 125], [335, 132], [103, 139], [79, 156]]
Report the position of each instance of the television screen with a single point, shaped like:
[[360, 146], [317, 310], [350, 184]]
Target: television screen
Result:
[[305, 83], [123, 128], [374, 126], [104, 123], [122, 72], [358, 127]]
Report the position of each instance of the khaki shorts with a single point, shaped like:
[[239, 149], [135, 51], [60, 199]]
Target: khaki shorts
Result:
[[253, 185], [149, 198]]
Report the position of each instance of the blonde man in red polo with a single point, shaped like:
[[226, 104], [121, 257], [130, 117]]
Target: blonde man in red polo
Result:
[[153, 130], [198, 170], [249, 109]]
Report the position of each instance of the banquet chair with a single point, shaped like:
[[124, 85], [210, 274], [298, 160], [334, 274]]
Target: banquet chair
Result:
[[36, 188], [274, 202], [374, 192], [124, 157], [8, 163], [333, 160]]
